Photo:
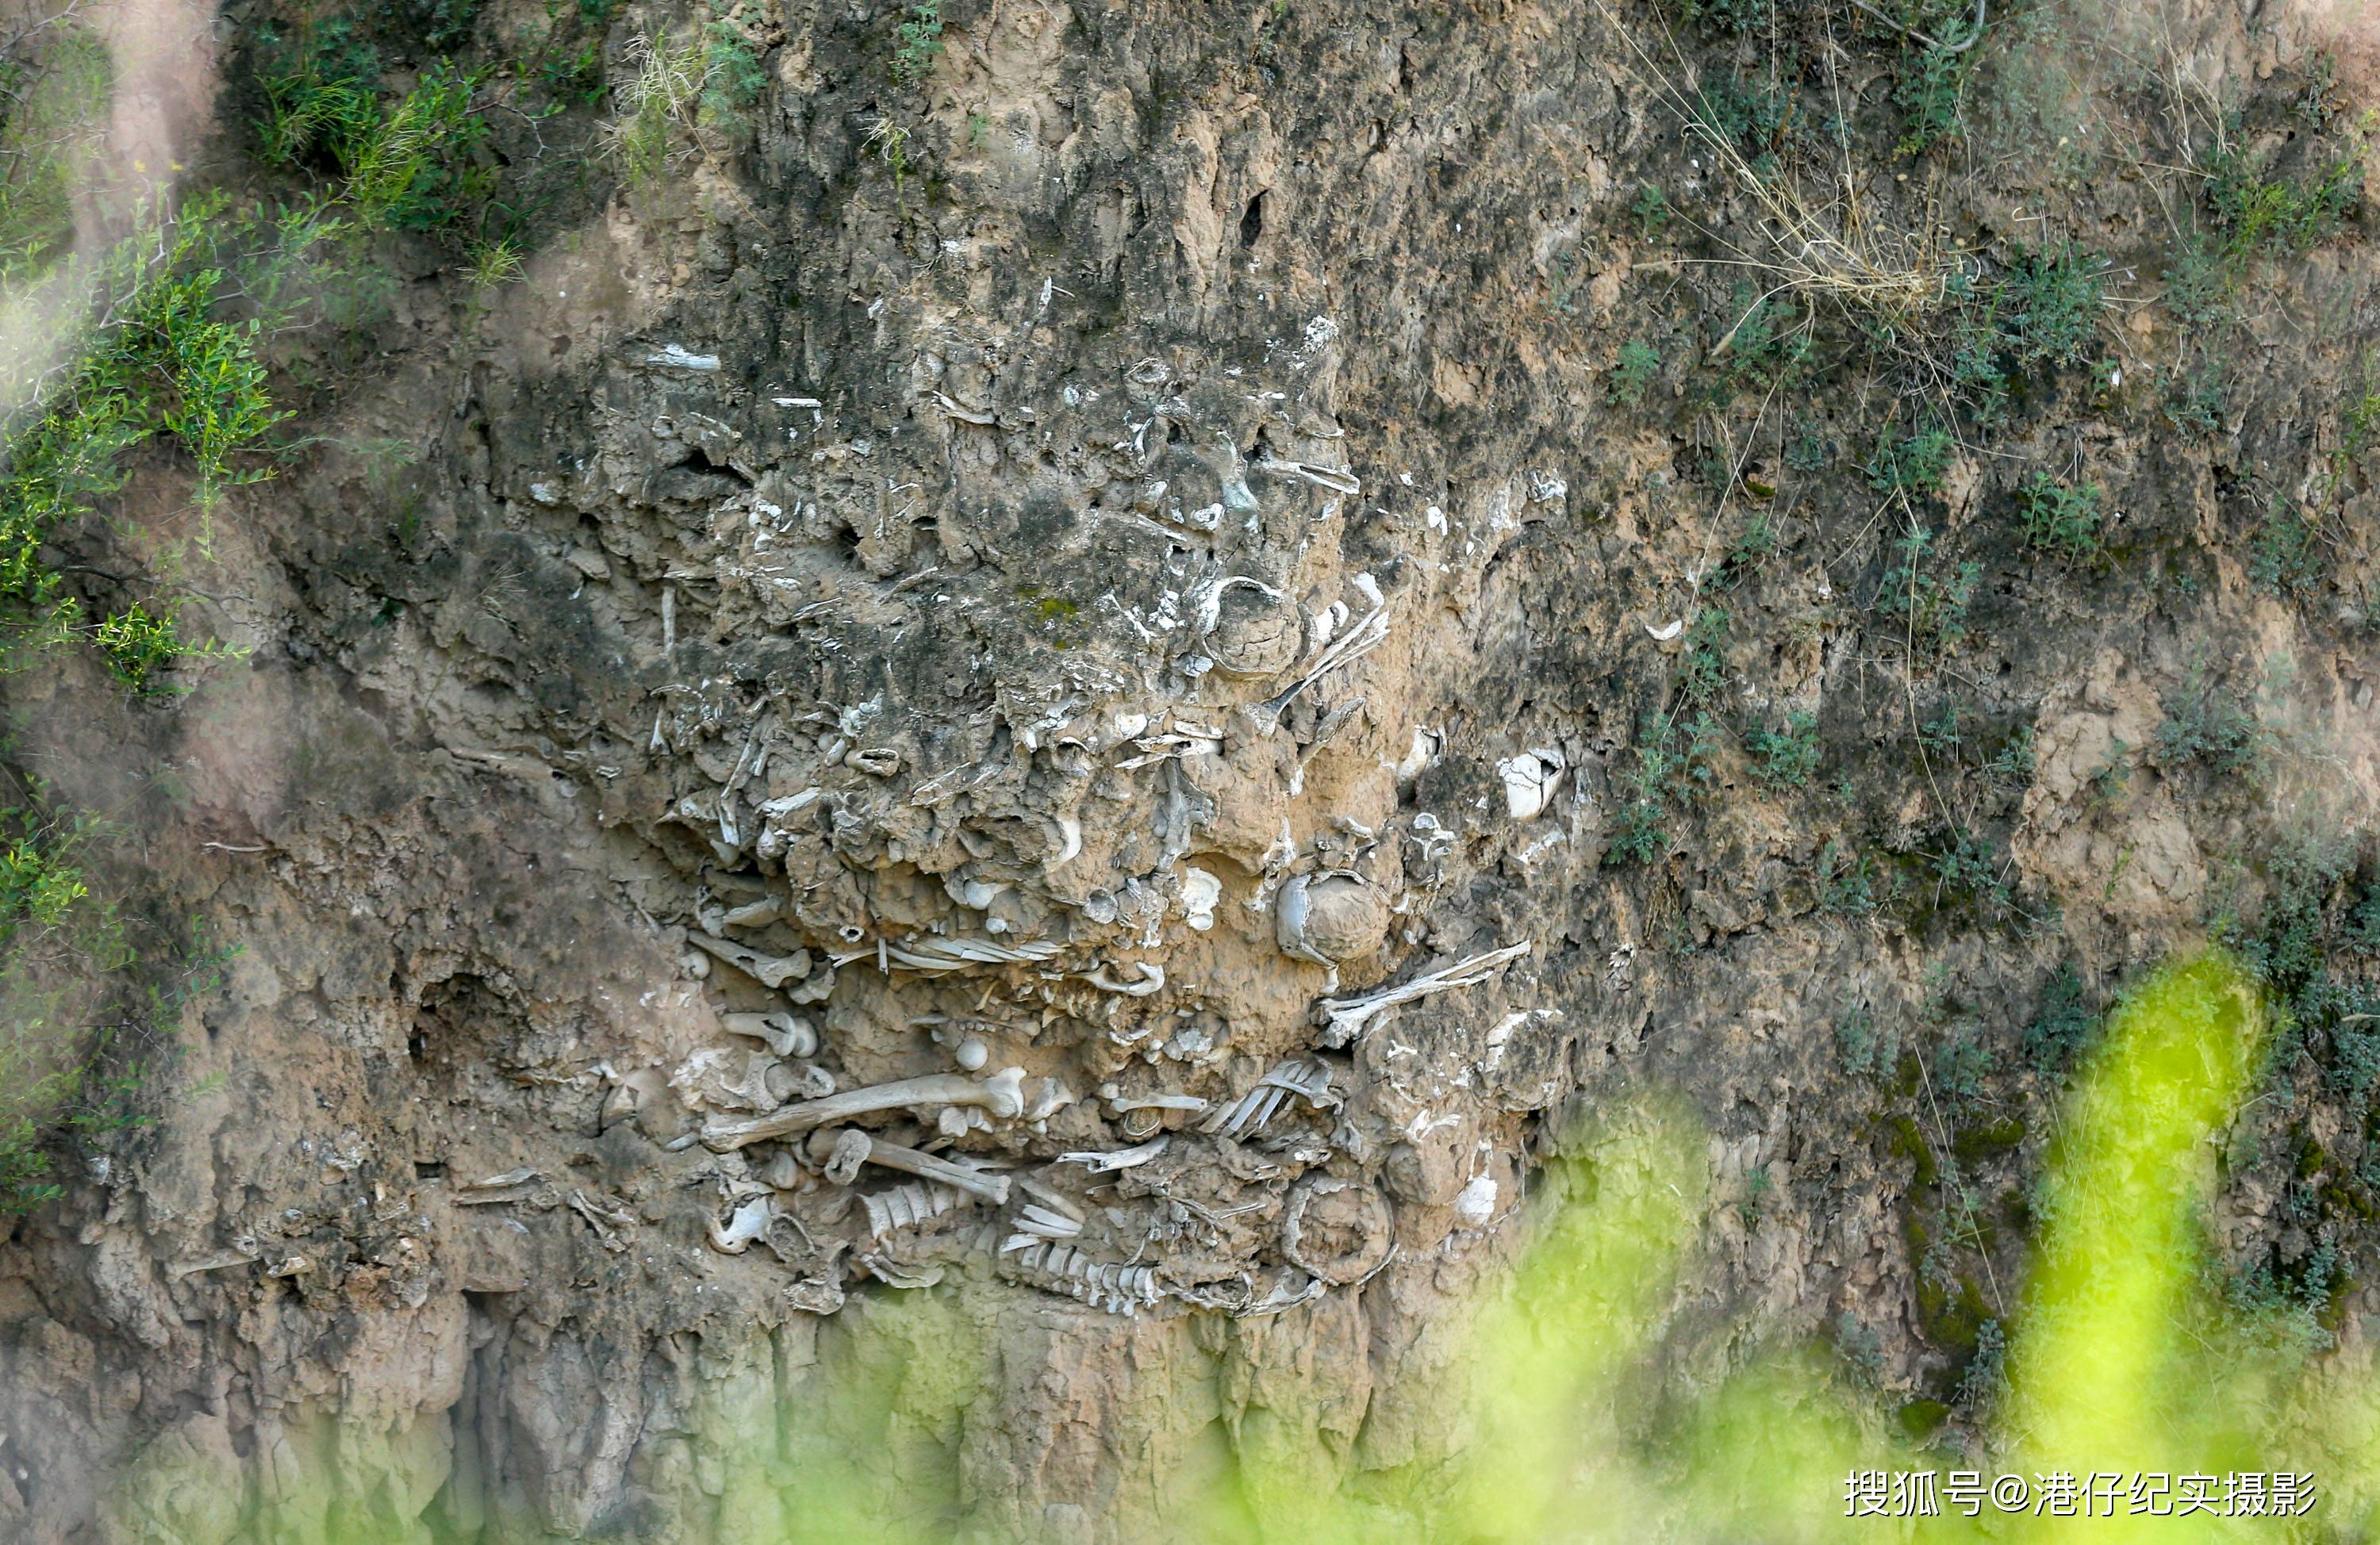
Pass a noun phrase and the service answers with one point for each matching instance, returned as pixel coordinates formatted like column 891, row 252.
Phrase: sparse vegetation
column 2205, row 725
column 2053, row 298
column 1788, row 755
column 2288, row 557
column 918, row 40
column 2264, row 214
column 2062, row 1021
column 2062, row 518
column 1638, row 363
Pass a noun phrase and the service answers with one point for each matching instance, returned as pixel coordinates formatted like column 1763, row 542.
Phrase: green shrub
column 322, row 97
column 1702, row 671
column 1641, row 832
column 1846, row 886
column 1927, row 90
column 1932, row 608
column 1675, row 765
column 2011, row 768
column 1729, row 16
column 2062, row 1021
column 1861, row 1050
column 733, row 78
column 2201, row 282
column 57, row 99
column 1651, row 211
column 918, row 41
column 2199, row 402
column 1962, row 1064
column 2053, row 298
column 53, row 942
column 1966, row 870
column 1789, row 756
column 2061, row 519
column 2205, row 725
column 1761, row 350
column 2286, row 558
column 1639, row 363
column 2260, row 213
column 1914, row 467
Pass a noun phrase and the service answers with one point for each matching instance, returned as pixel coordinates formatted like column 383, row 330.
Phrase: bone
column 1118, row 1158
column 1329, row 917
column 608, row 1219
column 745, row 1225
column 1337, row 479
column 1123, row 1102
column 1151, row 979
column 1003, row 1094
column 909, row 1206
column 1201, row 893
column 511, row 1186
column 933, row 957
column 1357, row 642
column 1297, row 1078
column 1035, row 1222
column 755, row 914
column 1529, row 780
column 769, row 970
column 785, row 1034
column 677, row 356
column 839, row 1147
column 1347, row 1018
column 1108, row 1284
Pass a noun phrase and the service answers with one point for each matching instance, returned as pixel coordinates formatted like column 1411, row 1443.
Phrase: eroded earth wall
column 1113, row 683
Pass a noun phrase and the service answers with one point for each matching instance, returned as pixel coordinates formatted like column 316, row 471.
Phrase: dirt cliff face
column 1108, row 674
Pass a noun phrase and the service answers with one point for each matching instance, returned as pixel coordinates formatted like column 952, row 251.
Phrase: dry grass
column 1825, row 242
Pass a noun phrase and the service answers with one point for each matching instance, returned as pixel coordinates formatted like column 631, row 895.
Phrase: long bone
column 1357, row 642
column 769, row 970
column 1003, row 1094
column 932, row 957
column 786, row 1035
column 846, row 1151
column 1347, row 1018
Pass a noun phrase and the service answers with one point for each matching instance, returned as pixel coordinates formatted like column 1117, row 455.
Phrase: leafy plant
column 1846, row 886
column 56, row 100
column 2287, row 557
column 1965, row 869
column 1962, row 1064
column 1933, row 609
column 1761, row 350
column 1789, row 756
column 2062, row 1021
column 2205, row 724
column 1651, row 211
column 2201, row 281
column 918, row 40
column 168, row 366
column 732, row 77
column 1915, row 466
column 1639, row 363
column 1702, row 671
column 2198, row 402
column 2261, row 214
column 2053, row 298
column 2062, row 519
